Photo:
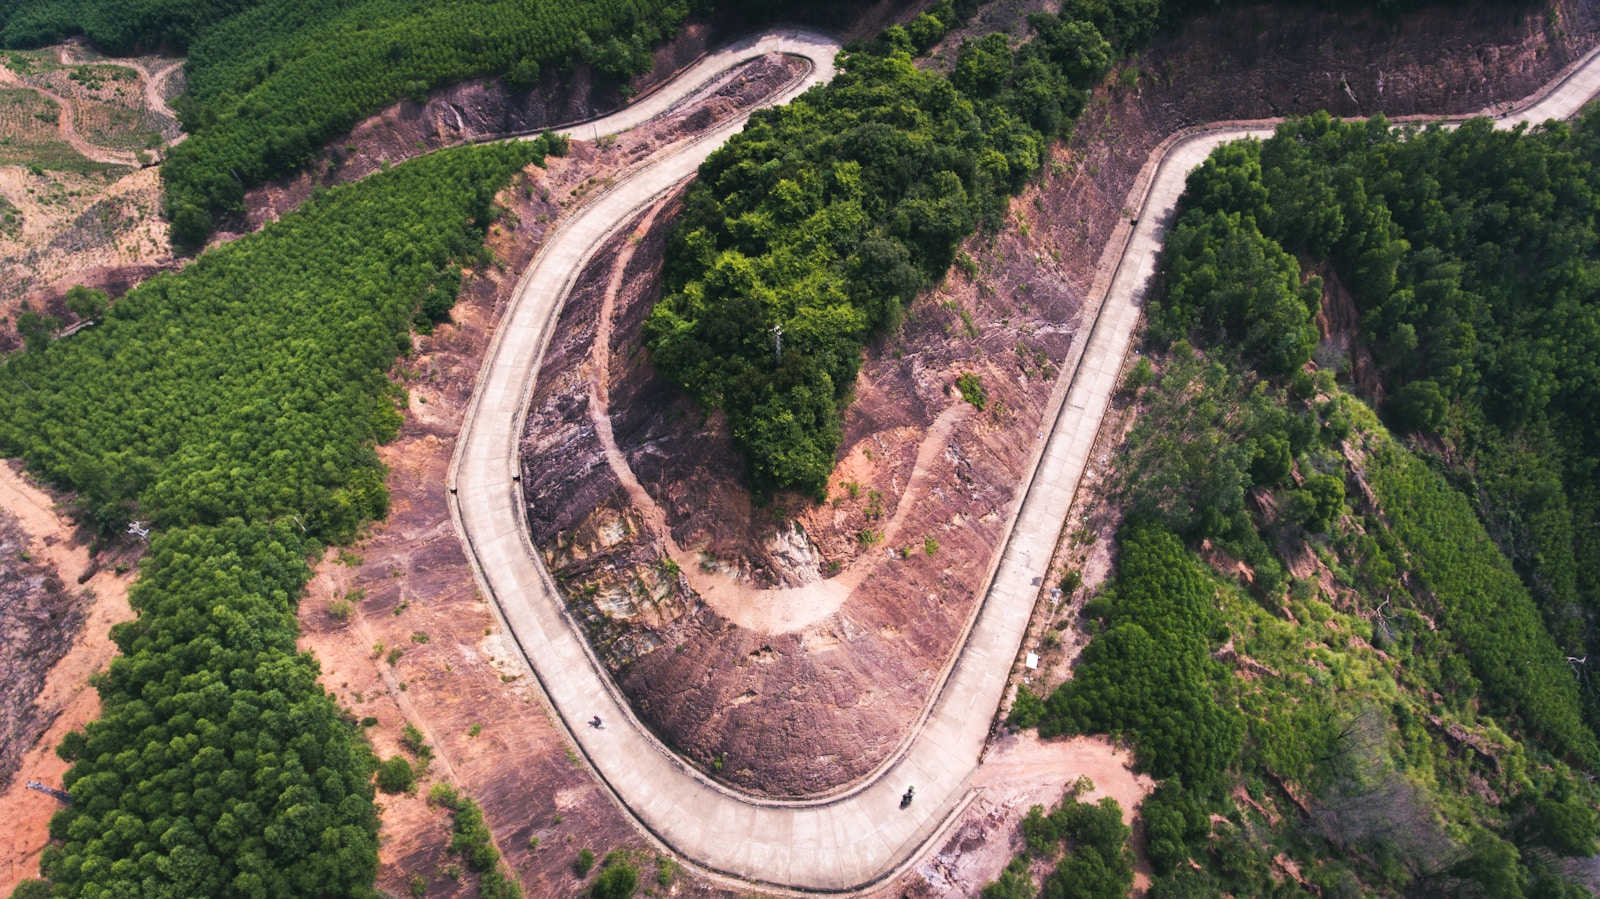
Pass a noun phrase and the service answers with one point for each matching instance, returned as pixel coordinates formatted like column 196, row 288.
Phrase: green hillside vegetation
column 235, row 406
column 218, row 766
column 1410, row 722
column 1150, row 677
column 827, row 216
column 1088, row 842
column 270, row 83
column 470, row 838
column 1348, row 705
column 1470, row 256
column 118, row 27
column 253, row 384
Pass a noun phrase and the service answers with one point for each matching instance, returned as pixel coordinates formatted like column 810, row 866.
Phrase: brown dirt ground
column 1018, row 772
column 47, row 669
column 451, row 681
column 102, row 229
column 813, row 708
column 411, row 589
column 39, row 616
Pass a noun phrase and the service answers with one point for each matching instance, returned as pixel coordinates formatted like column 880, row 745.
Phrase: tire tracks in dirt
column 66, row 125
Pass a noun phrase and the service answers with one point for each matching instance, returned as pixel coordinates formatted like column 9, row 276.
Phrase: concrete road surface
column 862, row 836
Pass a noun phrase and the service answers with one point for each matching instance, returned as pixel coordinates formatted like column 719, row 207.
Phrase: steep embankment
column 56, row 606
column 767, row 700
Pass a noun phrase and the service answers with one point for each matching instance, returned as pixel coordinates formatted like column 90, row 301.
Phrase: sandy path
column 600, row 395
column 156, row 97
column 66, row 125
column 66, row 690
column 774, row 610
column 1021, row 771
column 152, row 81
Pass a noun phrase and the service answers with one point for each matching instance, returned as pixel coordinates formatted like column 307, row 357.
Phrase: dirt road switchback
column 860, row 838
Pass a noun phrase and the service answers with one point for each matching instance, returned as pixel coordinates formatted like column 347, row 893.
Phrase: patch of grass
column 10, row 219
column 412, row 739
column 395, row 775
column 972, row 390
column 618, row 878
column 666, row 870
column 445, row 796
column 1071, row 580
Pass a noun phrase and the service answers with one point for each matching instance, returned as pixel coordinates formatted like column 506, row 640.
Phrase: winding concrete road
column 861, row 837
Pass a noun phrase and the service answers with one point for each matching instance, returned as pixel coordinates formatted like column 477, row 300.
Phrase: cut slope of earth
column 57, row 606
column 408, row 580
column 796, row 698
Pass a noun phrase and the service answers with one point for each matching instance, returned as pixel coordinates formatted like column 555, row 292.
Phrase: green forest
column 825, row 217
column 822, row 220
column 1412, row 713
column 1360, row 642
column 1375, row 739
column 235, row 407
column 270, row 83
column 1469, row 256
column 1087, row 841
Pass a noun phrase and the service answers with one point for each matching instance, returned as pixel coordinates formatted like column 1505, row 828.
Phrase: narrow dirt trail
column 151, row 80
column 600, row 396
column 156, row 97
column 860, row 838
column 66, row 125
column 66, row 692
column 765, row 610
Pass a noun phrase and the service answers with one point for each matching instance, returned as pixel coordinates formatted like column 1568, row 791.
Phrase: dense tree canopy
column 1471, row 258
column 1389, row 659
column 253, row 383
column 825, row 217
column 1150, row 677
column 235, row 405
column 218, row 766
